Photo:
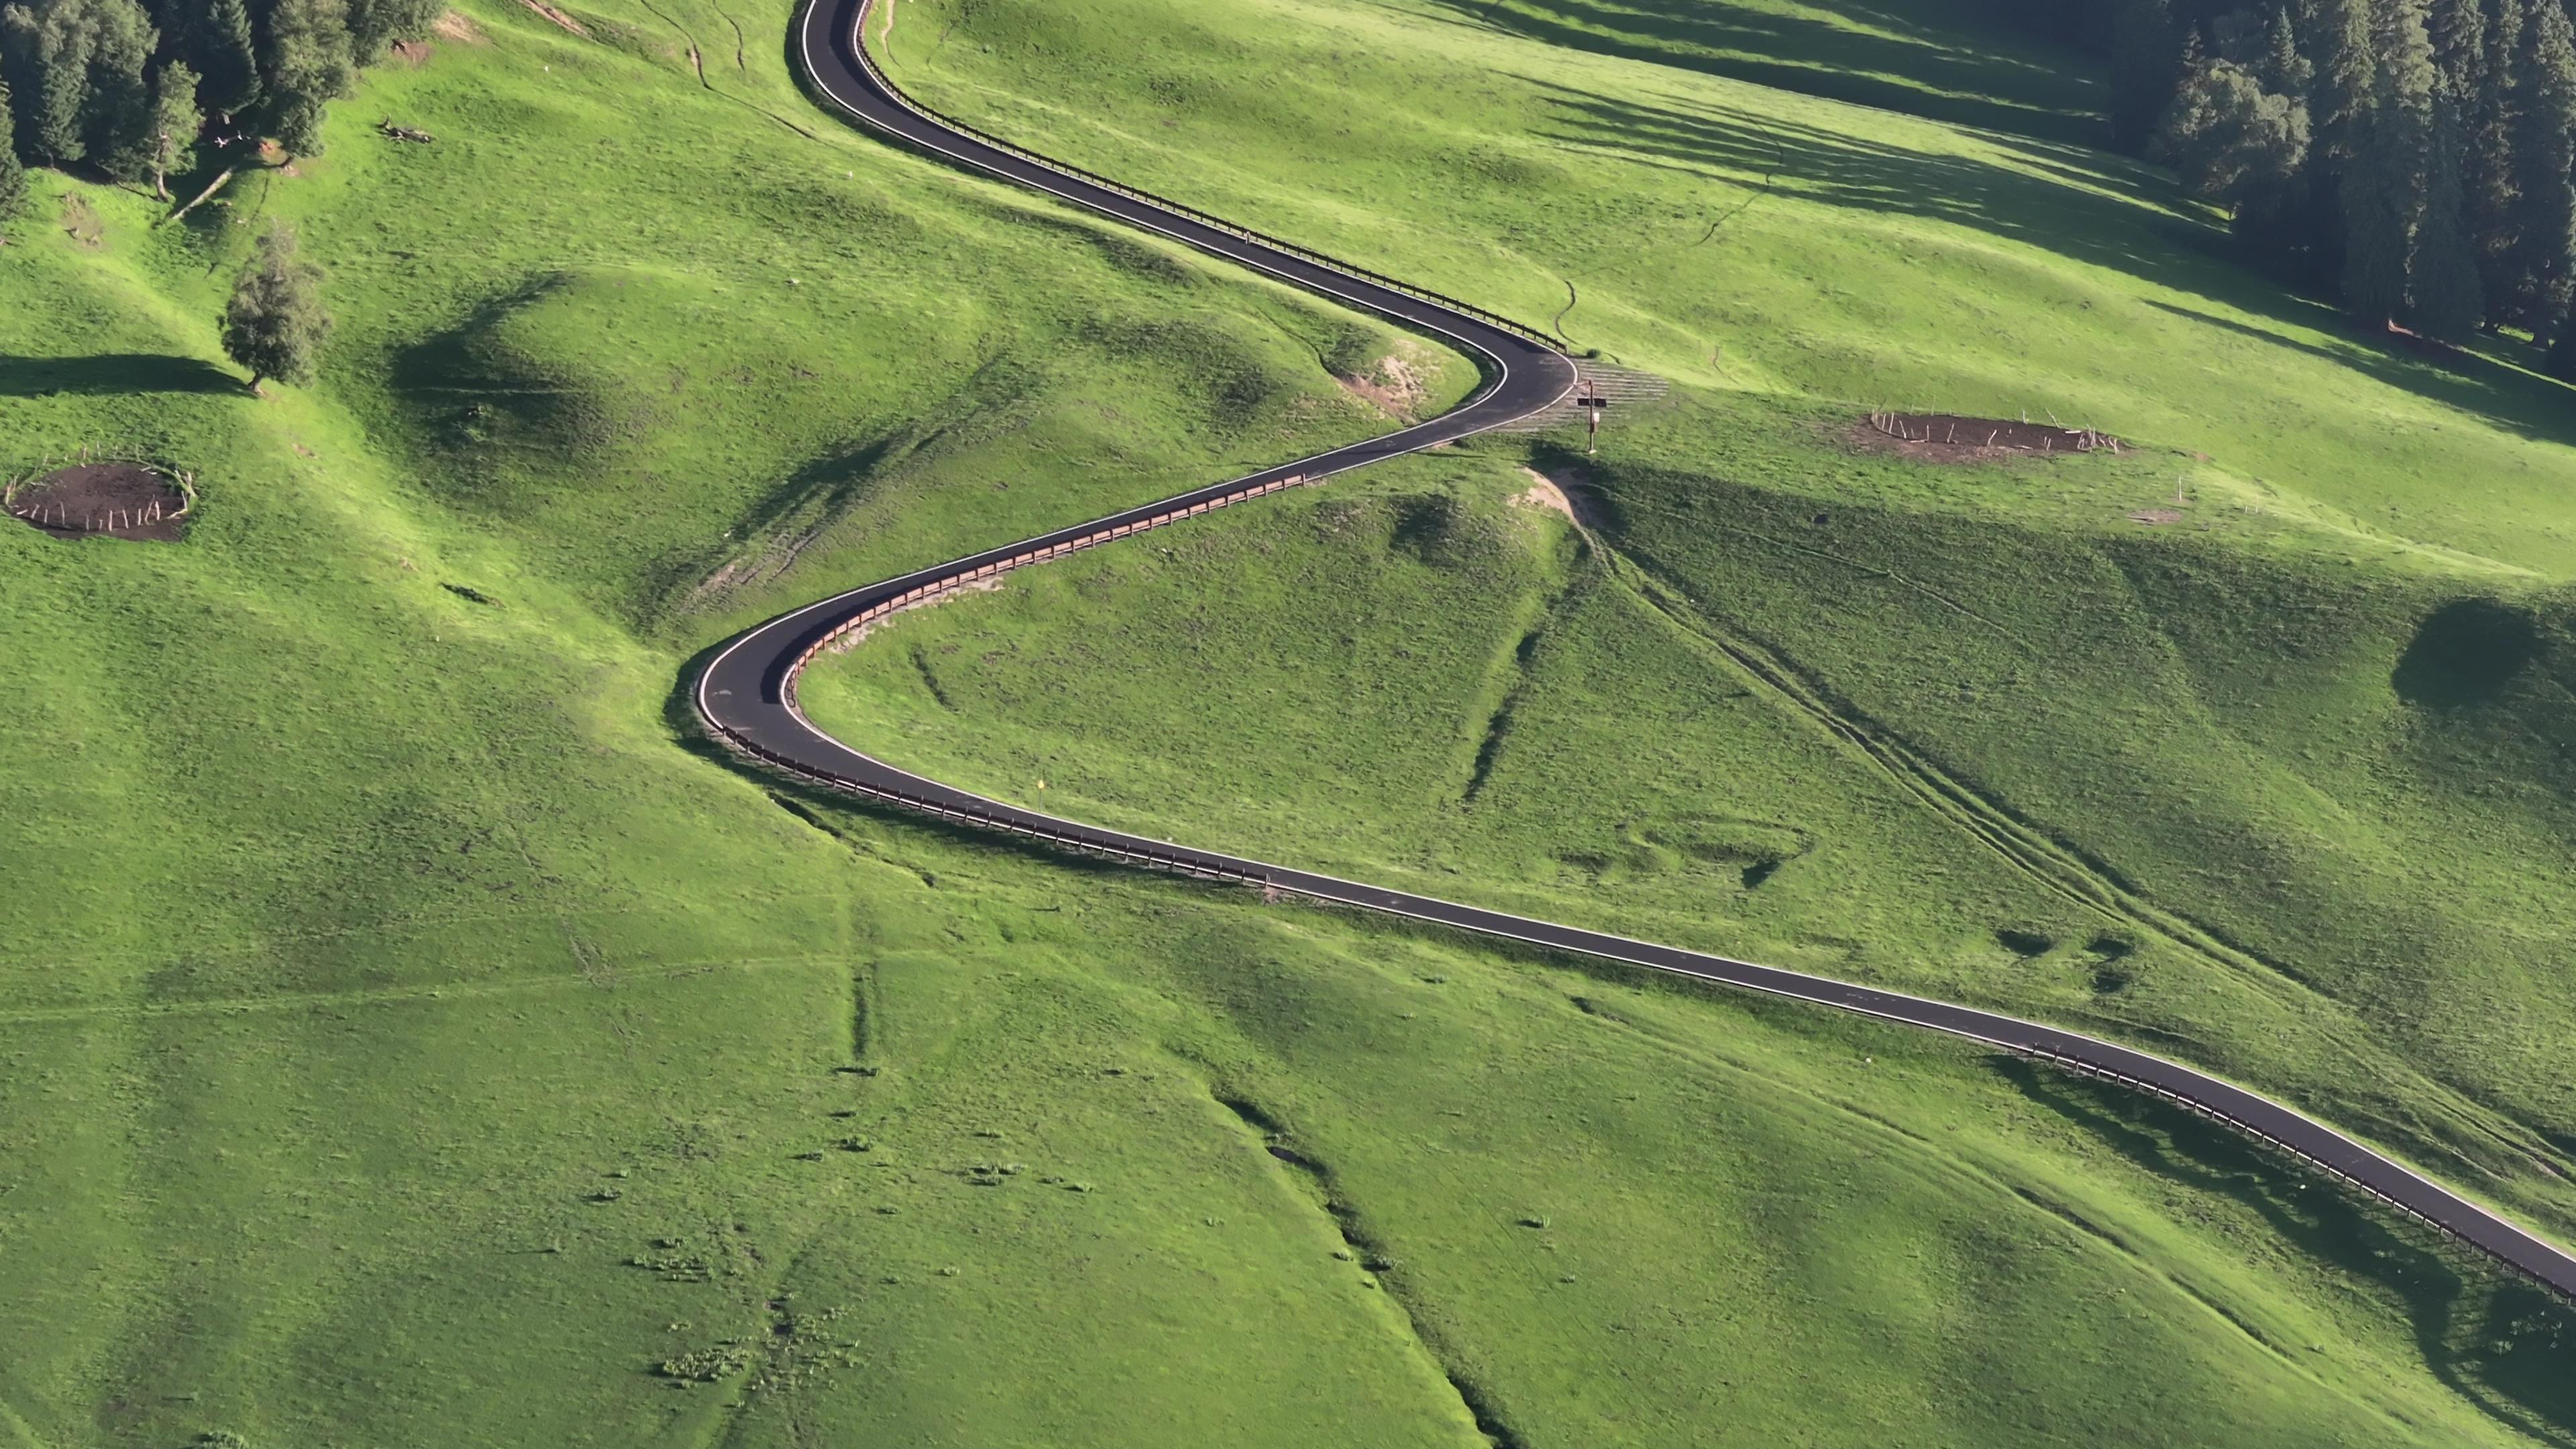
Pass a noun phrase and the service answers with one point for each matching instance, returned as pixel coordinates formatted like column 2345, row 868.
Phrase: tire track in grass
column 2065, row 870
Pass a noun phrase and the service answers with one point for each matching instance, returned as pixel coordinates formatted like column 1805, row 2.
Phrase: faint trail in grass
column 1556, row 324
column 738, row 41
column 2065, row 869
column 1323, row 1194
column 1779, row 163
column 389, row 995
column 2073, row 874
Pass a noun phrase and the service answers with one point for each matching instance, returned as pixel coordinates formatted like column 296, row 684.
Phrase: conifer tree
column 2444, row 276
column 2387, row 166
column 77, row 68
column 2459, row 33
column 2283, row 70
column 13, row 173
column 2343, row 74
column 50, row 45
column 305, row 63
column 116, row 115
column 275, row 324
column 2544, row 167
column 226, row 60
column 176, row 122
column 2493, row 205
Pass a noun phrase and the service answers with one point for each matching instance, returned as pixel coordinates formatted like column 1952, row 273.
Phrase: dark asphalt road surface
column 747, row 694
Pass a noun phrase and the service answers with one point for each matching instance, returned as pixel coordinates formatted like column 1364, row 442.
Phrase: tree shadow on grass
column 2088, row 221
column 2499, row 1342
column 2474, row 383
column 1890, row 61
column 112, row 373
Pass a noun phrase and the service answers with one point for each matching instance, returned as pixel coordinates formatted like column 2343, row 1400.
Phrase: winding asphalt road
column 747, row 694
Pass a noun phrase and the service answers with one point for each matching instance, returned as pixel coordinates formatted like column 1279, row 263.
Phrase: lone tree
column 275, row 323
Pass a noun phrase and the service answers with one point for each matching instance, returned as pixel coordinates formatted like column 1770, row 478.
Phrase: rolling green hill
column 413, row 1035
column 2272, row 706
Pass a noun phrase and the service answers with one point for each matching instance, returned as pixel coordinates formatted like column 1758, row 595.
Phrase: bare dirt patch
column 460, row 29
column 2155, row 516
column 1394, row 387
column 1951, row 438
column 1560, row 493
column 410, row 54
column 557, row 16
column 125, row 500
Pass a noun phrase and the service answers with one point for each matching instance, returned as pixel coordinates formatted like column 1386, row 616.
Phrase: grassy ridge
column 409, row 1038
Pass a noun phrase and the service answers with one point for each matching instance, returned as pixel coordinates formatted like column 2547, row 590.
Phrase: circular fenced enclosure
column 125, row 498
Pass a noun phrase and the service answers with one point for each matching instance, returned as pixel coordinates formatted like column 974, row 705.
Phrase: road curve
column 747, row 693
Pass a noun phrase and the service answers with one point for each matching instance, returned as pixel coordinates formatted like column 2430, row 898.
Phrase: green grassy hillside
column 2272, row 707
column 413, row 1036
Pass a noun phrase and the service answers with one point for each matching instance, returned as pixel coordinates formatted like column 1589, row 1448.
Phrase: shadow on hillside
column 2470, row 381
column 1895, row 63
column 110, row 373
column 2465, row 653
column 2497, row 1341
column 2058, row 207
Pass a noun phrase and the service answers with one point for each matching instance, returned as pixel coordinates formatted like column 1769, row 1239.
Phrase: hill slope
column 413, row 1037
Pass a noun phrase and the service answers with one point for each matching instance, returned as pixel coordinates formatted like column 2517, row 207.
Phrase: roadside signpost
column 1587, row 396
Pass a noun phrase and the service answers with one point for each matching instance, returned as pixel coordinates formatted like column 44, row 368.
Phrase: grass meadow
column 413, row 1034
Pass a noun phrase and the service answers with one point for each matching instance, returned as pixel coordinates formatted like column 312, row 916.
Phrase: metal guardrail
column 885, row 83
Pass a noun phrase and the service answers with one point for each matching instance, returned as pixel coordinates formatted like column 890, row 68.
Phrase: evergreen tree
column 2145, row 54
column 2283, row 70
column 228, row 63
column 2343, row 73
column 176, row 123
column 305, row 62
column 2387, row 166
column 2493, row 205
column 72, row 63
column 298, row 124
column 2444, row 279
column 2459, row 33
column 2544, row 158
column 13, row 174
column 375, row 24
column 275, row 324
column 2544, row 168
column 77, row 68
column 116, row 116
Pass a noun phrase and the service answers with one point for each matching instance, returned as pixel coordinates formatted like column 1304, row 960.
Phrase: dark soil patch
column 2024, row 943
column 105, row 500
column 1950, row 438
